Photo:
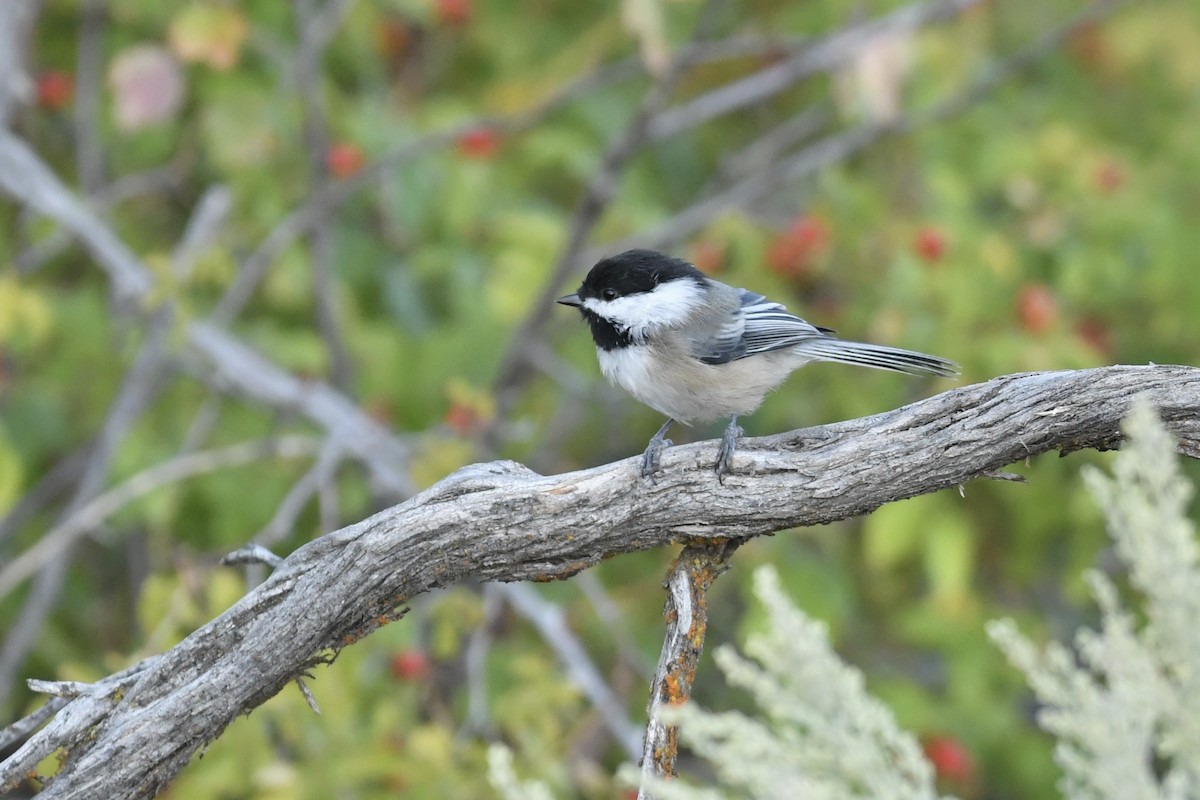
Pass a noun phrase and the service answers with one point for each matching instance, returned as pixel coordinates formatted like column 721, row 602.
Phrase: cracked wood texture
column 501, row 522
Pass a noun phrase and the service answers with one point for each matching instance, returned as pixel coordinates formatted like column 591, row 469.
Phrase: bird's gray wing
column 757, row 326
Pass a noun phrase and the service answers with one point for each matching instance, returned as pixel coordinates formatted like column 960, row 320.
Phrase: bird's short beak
column 571, row 300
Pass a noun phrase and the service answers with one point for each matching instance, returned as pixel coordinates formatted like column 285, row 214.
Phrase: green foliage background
column 1066, row 200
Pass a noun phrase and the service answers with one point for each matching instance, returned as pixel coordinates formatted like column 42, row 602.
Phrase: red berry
column 1094, row 334
column 55, row 89
column 950, row 759
column 929, row 244
column 480, row 143
column 453, row 12
column 344, row 159
column 784, row 258
column 1037, row 308
column 461, row 419
column 411, row 665
column 793, row 252
column 811, row 233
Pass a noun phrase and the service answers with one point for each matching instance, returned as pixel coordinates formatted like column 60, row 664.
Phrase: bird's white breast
column 631, row 368
column 677, row 385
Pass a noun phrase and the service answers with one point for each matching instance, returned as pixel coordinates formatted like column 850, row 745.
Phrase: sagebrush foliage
column 1125, row 706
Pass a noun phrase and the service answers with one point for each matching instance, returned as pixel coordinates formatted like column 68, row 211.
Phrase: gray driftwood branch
column 126, row 737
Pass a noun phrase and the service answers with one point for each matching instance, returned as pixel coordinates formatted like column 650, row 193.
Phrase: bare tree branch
column 502, row 522
column 236, row 366
column 549, row 620
column 840, row 145
column 55, row 482
column 829, row 53
column 686, row 614
column 127, row 187
column 336, row 193
column 240, row 369
column 89, row 75
column 23, row 175
column 317, row 28
column 477, row 721
column 17, row 18
column 90, row 515
column 138, row 390
column 596, row 197
column 608, row 612
column 302, row 491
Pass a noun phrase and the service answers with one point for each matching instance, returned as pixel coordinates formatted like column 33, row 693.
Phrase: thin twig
column 824, row 55
column 22, row 728
column 686, row 613
column 252, row 554
column 841, row 145
column 23, row 175
column 89, row 72
column 302, row 491
column 234, row 366
column 93, row 513
column 336, row 193
column 596, row 197
column 135, row 394
column 138, row 390
column 766, row 151
column 478, row 720
column 17, row 18
column 610, row 614
column 203, row 228
column 85, row 711
column 55, row 482
column 549, row 619
column 203, row 424
column 128, row 187
column 316, row 29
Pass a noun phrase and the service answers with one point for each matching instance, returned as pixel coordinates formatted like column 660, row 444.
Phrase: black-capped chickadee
column 697, row 350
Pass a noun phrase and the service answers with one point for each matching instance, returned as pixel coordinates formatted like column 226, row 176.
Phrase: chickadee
column 697, row 350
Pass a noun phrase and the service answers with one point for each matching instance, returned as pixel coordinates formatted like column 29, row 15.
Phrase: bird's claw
column 653, row 456
column 726, row 450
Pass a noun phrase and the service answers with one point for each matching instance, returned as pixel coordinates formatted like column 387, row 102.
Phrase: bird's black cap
column 633, row 272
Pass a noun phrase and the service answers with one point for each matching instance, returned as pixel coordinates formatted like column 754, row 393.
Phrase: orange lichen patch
column 565, row 571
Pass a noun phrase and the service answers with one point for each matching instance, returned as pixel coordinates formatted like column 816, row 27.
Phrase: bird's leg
column 728, row 445
column 658, row 443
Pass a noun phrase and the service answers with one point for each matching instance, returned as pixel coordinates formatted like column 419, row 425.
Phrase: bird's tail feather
column 876, row 356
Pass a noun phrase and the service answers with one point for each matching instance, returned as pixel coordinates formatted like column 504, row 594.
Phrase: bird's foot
column 653, row 454
column 727, row 448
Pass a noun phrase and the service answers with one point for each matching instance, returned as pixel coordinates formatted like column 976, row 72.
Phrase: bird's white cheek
column 668, row 305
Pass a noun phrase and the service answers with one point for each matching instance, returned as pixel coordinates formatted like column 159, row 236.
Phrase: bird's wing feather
column 757, row 326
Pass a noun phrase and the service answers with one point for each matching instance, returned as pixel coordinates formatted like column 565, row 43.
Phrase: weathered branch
column 502, row 522
column 686, row 614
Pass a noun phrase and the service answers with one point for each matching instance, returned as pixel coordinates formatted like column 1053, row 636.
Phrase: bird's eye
column 609, row 294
